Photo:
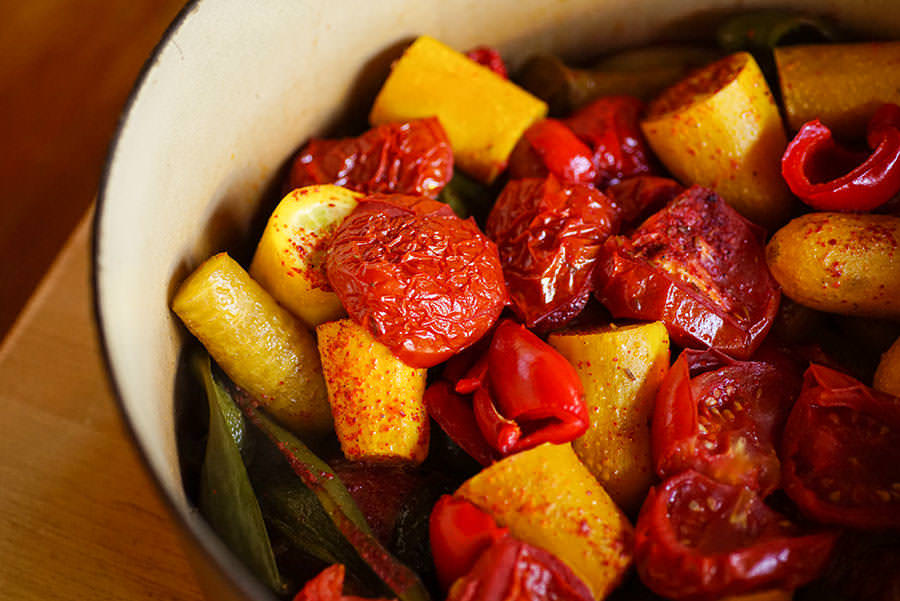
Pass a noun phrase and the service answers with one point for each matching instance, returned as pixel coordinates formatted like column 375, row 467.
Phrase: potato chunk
column 290, row 257
column 376, row 399
column 840, row 263
column 620, row 369
column 262, row 347
column 720, row 128
column 483, row 114
column 549, row 499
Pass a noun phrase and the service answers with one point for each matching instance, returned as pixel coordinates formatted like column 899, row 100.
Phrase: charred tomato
column 549, row 235
column 699, row 267
column 639, row 197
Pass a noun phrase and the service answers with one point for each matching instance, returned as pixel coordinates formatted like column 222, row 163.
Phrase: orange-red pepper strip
column 818, row 170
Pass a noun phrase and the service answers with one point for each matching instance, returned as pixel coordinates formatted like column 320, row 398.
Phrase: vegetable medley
column 624, row 330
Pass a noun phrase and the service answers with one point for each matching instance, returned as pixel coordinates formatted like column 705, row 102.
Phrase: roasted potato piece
column 483, row 114
column 549, row 499
column 720, row 128
column 620, row 369
column 887, row 376
column 376, row 399
column 262, row 347
column 841, row 85
column 290, row 257
column 840, row 263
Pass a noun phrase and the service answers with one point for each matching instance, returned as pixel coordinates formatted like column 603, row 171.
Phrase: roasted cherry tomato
column 424, row 282
column 328, row 585
column 639, row 197
column 459, row 533
column 413, row 157
column 841, row 451
column 610, row 126
column 828, row 177
column 490, row 58
column 698, row 266
column 549, row 147
column 723, row 423
column 700, row 540
column 511, row 570
column 549, row 235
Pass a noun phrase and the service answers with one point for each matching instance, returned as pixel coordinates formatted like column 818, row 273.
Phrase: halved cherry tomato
column 698, row 266
column 459, row 533
column 723, row 423
column 639, row 197
column 424, row 282
column 700, row 540
column 511, row 570
column 549, row 147
column 328, row 585
column 490, row 58
column 413, row 157
column 549, row 235
column 841, row 451
column 610, row 126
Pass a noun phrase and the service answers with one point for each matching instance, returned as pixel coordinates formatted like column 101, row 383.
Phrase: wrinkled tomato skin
column 841, row 452
column 724, row 422
column 700, row 540
column 610, row 126
column 639, row 197
column 549, row 235
column 697, row 266
column 413, row 157
column 548, row 147
column 511, row 570
column 490, row 58
column 424, row 282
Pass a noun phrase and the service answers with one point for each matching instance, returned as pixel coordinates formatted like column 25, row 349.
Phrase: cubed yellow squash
column 721, row 128
column 262, row 347
column 620, row 369
column 376, row 399
column 887, row 376
column 483, row 114
column 841, row 85
column 290, row 257
column 549, row 499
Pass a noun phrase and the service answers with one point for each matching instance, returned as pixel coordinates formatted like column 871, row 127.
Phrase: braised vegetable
column 841, row 85
column 263, row 348
column 467, row 198
column 839, row 263
column 290, row 258
column 831, row 178
column 620, row 369
column 547, row 498
column 393, row 255
column 767, row 29
column 841, row 452
column 483, row 114
column 720, row 128
column 376, row 399
column 549, row 147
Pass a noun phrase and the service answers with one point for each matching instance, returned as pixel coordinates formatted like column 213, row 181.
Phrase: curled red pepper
column 549, row 146
column 524, row 393
column 459, row 533
column 328, row 586
column 822, row 173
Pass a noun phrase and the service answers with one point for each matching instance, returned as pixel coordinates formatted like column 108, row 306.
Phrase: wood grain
column 66, row 67
column 79, row 518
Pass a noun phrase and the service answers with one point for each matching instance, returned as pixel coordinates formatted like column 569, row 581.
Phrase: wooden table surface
column 79, row 517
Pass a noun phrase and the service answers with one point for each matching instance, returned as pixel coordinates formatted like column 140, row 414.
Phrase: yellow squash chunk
column 840, row 263
column 620, row 369
column 290, row 258
column 376, row 399
column 839, row 84
column 549, row 499
column 720, row 128
column 887, row 376
column 483, row 114
column 262, row 347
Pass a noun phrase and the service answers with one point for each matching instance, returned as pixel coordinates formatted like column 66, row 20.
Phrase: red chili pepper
column 453, row 413
column 490, row 58
column 823, row 175
column 459, row 533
